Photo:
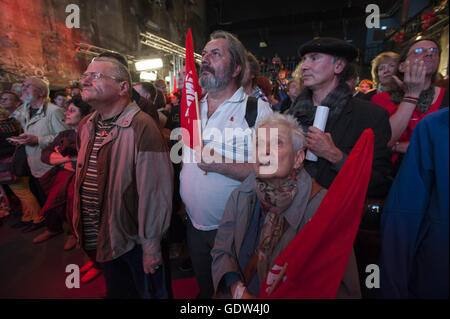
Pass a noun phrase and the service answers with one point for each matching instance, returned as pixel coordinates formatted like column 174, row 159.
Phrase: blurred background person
column 365, row 86
column 60, row 99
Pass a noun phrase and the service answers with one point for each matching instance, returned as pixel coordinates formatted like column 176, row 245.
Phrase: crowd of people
column 98, row 160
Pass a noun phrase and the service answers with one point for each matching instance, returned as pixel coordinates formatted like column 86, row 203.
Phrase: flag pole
column 199, row 121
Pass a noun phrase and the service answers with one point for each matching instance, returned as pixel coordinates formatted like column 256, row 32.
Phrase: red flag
column 189, row 117
column 316, row 258
column 175, row 83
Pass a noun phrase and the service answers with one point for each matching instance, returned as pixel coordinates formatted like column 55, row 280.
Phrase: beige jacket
column 45, row 124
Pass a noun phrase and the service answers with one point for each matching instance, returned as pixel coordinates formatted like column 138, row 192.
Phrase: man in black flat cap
column 327, row 65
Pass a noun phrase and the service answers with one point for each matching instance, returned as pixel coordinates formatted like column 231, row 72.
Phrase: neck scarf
column 425, row 99
column 304, row 110
column 274, row 201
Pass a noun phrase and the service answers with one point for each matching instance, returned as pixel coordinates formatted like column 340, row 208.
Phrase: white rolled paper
column 320, row 121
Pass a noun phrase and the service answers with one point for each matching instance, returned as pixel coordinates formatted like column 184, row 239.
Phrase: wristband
column 411, row 98
column 239, row 291
column 410, row 101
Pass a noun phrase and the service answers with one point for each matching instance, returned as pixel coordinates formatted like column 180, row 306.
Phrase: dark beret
column 331, row 46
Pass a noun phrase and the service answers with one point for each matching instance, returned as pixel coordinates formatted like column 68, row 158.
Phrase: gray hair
column 236, row 49
column 41, row 84
column 120, row 71
column 286, row 120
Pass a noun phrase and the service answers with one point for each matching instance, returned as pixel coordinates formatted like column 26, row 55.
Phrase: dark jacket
column 8, row 127
column 357, row 116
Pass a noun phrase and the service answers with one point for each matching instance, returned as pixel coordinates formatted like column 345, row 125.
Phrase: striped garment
column 10, row 126
column 90, row 209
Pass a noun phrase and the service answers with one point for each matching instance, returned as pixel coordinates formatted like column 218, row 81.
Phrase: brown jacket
column 135, row 183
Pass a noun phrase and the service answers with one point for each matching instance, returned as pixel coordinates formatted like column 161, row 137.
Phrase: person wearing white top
column 204, row 186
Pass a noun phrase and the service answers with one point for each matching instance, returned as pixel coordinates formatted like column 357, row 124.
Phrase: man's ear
column 339, row 65
column 237, row 70
column 124, row 88
column 401, row 67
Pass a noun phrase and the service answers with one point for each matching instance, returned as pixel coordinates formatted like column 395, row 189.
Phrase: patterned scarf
column 304, row 110
column 425, row 99
column 274, row 201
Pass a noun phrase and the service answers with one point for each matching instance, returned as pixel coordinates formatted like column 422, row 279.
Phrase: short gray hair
column 120, row 71
column 286, row 120
column 236, row 49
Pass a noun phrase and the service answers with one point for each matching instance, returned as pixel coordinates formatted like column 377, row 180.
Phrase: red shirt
column 383, row 99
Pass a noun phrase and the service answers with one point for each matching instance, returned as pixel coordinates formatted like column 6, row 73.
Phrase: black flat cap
column 331, row 46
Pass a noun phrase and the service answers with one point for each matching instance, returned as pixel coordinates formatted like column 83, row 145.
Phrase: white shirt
column 205, row 196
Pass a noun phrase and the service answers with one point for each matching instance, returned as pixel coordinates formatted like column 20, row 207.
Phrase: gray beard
column 213, row 84
column 28, row 100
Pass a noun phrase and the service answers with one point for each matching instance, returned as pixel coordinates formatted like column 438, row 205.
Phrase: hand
column 68, row 167
column 212, row 159
column 56, row 158
column 245, row 294
column 401, row 147
column 12, row 140
column 322, row 145
column 27, row 139
column 414, row 78
column 151, row 262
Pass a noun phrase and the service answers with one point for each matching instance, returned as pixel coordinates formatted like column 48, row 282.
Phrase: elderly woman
column 265, row 213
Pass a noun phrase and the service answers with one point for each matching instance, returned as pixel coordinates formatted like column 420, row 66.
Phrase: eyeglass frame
column 433, row 50
column 98, row 75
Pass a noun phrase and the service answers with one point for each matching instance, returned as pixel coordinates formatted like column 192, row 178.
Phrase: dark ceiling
column 285, row 25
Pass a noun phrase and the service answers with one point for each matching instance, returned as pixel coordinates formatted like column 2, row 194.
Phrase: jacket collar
column 41, row 109
column 294, row 214
column 124, row 119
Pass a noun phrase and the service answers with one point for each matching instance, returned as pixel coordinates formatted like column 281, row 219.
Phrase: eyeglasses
column 5, row 99
column 418, row 51
column 96, row 76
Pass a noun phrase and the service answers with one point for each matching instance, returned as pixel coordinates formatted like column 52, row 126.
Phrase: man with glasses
column 414, row 96
column 123, row 186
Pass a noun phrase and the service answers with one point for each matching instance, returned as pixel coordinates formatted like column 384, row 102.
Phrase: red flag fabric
column 316, row 258
column 175, row 83
column 189, row 117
